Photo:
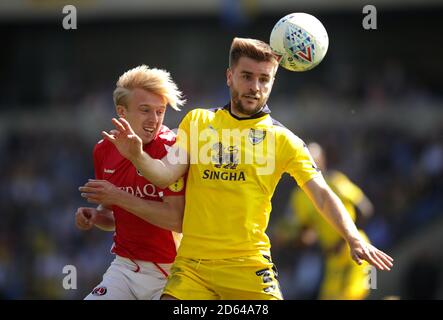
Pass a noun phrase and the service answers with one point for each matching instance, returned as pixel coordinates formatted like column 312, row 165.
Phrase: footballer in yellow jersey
column 235, row 156
column 343, row 279
column 239, row 191
column 228, row 206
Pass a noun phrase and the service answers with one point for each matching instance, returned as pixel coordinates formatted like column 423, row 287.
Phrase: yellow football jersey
column 235, row 165
column 307, row 215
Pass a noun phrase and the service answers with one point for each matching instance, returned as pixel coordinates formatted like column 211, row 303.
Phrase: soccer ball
column 301, row 40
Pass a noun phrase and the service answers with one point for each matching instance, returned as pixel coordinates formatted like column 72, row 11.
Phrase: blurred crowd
column 40, row 175
column 381, row 125
column 400, row 173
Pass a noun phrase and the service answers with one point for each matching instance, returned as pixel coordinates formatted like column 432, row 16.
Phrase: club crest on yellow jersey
column 256, row 136
column 177, row 186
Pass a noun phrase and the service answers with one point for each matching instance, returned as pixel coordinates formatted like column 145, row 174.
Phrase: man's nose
column 153, row 117
column 255, row 86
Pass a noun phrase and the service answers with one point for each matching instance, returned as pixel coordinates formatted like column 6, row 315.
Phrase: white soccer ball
column 301, row 40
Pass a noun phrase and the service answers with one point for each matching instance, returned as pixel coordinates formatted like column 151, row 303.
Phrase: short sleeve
column 177, row 188
column 97, row 157
column 298, row 162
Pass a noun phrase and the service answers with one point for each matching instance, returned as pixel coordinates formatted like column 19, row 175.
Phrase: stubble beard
column 238, row 106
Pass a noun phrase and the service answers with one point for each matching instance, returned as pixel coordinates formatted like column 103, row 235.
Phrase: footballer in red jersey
column 146, row 219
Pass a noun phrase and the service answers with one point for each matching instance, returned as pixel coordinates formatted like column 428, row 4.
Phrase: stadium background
column 375, row 103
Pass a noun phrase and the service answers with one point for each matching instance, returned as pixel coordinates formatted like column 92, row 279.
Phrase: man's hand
column 361, row 250
column 100, row 192
column 85, row 218
column 124, row 139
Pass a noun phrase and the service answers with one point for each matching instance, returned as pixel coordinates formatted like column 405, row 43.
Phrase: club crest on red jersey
column 178, row 185
column 99, row 291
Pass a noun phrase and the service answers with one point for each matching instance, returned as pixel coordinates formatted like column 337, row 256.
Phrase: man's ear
column 121, row 110
column 229, row 77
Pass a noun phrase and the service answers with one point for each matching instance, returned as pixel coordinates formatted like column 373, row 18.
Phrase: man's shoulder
column 277, row 124
column 104, row 151
column 282, row 130
column 103, row 146
column 166, row 136
column 285, row 137
column 162, row 143
column 202, row 113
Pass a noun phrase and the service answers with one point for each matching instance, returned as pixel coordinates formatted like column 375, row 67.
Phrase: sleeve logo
column 177, row 186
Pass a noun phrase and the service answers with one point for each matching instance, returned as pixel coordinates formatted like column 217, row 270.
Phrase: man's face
column 250, row 83
column 145, row 113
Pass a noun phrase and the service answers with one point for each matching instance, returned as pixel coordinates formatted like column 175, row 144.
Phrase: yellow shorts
column 244, row 278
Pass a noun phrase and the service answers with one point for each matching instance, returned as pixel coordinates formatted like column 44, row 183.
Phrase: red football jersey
column 135, row 238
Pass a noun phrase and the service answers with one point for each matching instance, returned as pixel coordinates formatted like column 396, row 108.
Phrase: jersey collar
column 264, row 111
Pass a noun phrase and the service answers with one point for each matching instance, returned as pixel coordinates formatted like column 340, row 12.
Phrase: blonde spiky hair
column 154, row 80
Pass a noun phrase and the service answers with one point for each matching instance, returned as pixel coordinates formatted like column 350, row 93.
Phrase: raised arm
column 332, row 209
column 167, row 214
column 162, row 173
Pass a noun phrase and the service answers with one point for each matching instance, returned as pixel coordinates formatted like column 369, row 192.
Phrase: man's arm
column 105, row 219
column 167, row 214
column 332, row 209
column 162, row 173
